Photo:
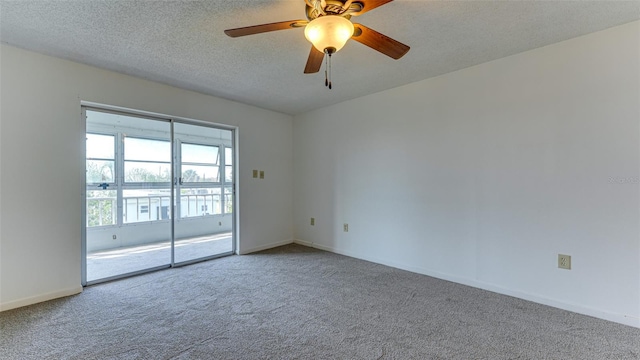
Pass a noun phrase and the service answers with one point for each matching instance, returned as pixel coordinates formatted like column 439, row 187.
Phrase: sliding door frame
column 171, row 120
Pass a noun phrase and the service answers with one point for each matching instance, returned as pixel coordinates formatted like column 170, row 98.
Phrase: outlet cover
column 313, row 221
column 255, row 174
column 261, row 174
column 564, row 261
column 346, row 227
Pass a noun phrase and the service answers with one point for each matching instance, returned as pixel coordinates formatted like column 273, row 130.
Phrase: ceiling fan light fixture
column 329, row 32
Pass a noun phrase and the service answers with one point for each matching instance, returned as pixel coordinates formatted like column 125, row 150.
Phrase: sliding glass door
column 159, row 193
column 204, row 210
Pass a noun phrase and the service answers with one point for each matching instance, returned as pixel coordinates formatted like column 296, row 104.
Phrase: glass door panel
column 140, row 171
column 203, row 227
column 128, row 194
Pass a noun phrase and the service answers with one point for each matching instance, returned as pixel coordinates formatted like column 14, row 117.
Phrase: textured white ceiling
column 182, row 42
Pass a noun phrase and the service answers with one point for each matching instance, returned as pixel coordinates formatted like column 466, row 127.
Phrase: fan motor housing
column 333, row 7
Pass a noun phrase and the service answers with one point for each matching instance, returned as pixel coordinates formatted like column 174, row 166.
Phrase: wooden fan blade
column 314, row 62
column 257, row 29
column 368, row 5
column 379, row 42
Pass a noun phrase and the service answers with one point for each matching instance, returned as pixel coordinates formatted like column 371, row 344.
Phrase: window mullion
column 177, row 166
column 120, row 177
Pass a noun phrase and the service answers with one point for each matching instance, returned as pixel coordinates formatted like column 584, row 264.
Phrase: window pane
column 101, row 207
column 202, row 154
column 228, row 173
column 228, row 200
column 199, row 202
column 228, row 156
column 228, row 161
column 100, row 146
column 146, row 149
column 99, row 171
column 137, row 171
column 146, row 205
column 195, row 173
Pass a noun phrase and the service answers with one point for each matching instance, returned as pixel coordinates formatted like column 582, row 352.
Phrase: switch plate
column 261, row 174
column 255, row 174
column 564, row 261
column 345, row 227
column 313, row 221
column 114, row 237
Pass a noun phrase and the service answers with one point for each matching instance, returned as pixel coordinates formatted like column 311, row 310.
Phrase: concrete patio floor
column 107, row 263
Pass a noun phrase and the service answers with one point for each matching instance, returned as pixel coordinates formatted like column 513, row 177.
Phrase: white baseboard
column 577, row 308
column 265, row 247
column 306, row 243
column 39, row 298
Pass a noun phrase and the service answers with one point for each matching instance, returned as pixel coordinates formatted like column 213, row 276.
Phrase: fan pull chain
column 326, row 65
column 327, row 70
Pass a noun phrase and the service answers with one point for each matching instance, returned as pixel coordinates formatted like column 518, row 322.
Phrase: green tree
column 100, row 171
column 101, row 207
column 144, row 175
column 190, row 176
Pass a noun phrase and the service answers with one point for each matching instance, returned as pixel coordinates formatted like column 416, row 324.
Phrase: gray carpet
column 294, row 302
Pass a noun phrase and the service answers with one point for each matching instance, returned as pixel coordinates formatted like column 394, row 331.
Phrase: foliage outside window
column 101, row 207
column 147, row 160
column 199, row 163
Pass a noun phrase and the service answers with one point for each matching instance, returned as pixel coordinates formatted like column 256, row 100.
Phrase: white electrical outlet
column 564, row 261
column 313, row 221
column 346, row 227
column 255, row 174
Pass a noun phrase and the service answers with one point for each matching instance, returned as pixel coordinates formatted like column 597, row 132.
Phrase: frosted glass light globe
column 329, row 32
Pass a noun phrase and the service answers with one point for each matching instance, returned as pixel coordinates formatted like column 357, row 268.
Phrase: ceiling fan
column 328, row 27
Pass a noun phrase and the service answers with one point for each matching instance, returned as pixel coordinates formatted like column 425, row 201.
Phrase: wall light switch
column 564, row 261
column 255, row 174
column 261, row 174
column 345, row 227
column 313, row 221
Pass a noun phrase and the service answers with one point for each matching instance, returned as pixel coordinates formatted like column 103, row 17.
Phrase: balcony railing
column 102, row 211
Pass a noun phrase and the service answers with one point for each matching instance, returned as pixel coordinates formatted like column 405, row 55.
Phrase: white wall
column 483, row 176
column 41, row 162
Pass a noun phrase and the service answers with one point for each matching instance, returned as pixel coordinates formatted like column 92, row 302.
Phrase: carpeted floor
column 294, row 302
